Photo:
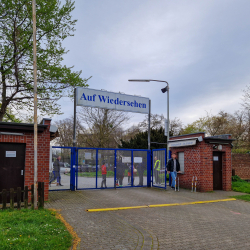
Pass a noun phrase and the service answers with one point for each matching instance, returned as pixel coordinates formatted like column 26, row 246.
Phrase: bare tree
column 217, row 124
column 246, row 98
column 156, row 122
column 175, row 127
column 65, row 129
column 104, row 127
column 239, row 128
column 210, row 124
column 130, row 133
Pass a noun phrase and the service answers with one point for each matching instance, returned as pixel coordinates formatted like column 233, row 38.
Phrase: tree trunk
column 3, row 104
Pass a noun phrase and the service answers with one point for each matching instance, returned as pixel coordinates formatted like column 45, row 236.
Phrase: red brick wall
column 198, row 161
column 241, row 165
column 43, row 152
column 226, row 167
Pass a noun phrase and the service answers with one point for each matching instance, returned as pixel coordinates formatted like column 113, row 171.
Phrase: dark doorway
column 12, row 165
column 217, row 170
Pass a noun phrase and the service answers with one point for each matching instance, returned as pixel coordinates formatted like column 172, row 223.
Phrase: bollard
column 192, row 184
column 195, row 184
column 178, row 185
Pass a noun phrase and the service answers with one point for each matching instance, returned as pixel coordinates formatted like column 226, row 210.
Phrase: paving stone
column 221, row 225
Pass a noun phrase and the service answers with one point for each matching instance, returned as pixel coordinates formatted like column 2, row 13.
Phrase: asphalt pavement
column 215, row 225
column 90, row 182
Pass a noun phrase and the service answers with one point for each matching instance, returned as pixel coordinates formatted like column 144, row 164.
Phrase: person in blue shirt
column 173, row 168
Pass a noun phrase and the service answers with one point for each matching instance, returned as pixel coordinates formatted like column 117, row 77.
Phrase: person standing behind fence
column 104, row 174
column 173, row 168
column 57, row 166
column 157, row 168
column 129, row 175
column 140, row 169
column 120, row 168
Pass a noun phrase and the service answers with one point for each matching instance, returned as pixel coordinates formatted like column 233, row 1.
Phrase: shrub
column 236, row 178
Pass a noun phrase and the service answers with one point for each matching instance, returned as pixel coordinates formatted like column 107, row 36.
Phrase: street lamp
column 164, row 90
column 35, row 100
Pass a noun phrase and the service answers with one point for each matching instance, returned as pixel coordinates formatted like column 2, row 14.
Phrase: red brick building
column 207, row 158
column 17, row 154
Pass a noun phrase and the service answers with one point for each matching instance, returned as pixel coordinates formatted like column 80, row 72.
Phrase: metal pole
column 149, row 117
column 35, row 101
column 168, row 121
column 74, row 128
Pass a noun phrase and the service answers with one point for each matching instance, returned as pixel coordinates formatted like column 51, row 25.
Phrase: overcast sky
column 201, row 48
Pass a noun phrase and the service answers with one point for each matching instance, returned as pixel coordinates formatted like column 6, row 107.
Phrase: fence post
column 26, row 196
column 39, row 194
column 19, row 191
column 192, row 184
column 74, row 165
column 132, row 168
column 42, row 195
column 4, row 198
column 32, row 196
column 12, row 198
column 149, row 169
column 115, row 170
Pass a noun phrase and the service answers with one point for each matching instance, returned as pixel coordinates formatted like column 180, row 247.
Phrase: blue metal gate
column 65, row 178
column 159, row 171
column 125, row 168
column 81, row 168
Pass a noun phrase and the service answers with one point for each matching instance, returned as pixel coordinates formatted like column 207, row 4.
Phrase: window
column 181, row 160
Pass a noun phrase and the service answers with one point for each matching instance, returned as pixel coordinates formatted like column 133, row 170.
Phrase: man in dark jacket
column 140, row 170
column 120, row 169
column 57, row 166
column 173, row 168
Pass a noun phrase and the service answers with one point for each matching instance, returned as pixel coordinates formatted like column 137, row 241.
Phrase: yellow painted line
column 190, row 203
column 114, row 209
column 158, row 205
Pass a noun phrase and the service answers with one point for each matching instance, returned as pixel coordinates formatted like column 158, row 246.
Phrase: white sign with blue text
column 182, row 143
column 110, row 100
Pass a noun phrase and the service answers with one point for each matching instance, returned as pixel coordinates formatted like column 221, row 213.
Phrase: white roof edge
column 190, row 138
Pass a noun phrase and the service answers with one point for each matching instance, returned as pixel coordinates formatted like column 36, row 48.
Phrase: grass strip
column 245, row 197
column 33, row 229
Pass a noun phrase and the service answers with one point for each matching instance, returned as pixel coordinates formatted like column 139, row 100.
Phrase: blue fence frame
column 74, row 165
column 165, row 170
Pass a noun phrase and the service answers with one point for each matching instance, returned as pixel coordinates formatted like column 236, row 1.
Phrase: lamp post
column 164, row 90
column 35, row 100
